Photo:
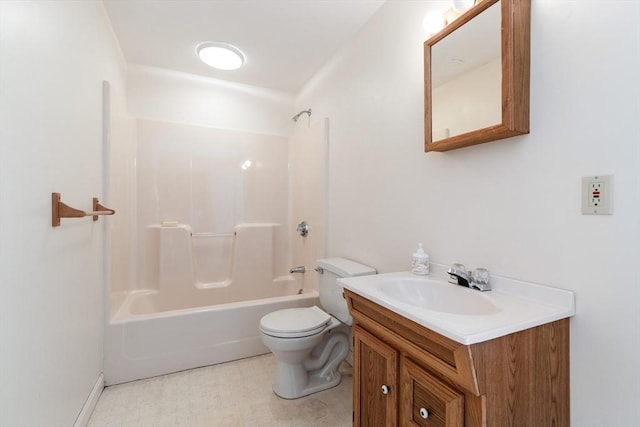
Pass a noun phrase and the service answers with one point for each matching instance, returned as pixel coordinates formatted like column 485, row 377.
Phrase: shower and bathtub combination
column 209, row 252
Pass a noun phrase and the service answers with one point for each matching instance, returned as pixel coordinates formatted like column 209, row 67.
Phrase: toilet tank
column 330, row 293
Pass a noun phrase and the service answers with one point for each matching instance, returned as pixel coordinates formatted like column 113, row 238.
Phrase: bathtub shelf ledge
column 62, row 210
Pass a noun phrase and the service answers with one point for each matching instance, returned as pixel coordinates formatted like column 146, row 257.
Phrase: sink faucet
column 476, row 279
column 300, row 269
column 459, row 275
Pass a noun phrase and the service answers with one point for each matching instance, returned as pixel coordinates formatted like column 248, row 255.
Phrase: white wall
column 172, row 96
column 53, row 59
column 512, row 206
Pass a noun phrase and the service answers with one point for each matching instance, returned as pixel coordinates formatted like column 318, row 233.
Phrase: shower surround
column 210, row 180
column 212, row 250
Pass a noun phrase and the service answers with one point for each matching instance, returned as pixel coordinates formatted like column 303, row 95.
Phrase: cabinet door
column 426, row 401
column 375, row 390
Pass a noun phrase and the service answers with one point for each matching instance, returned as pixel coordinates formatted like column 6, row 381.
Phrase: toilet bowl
column 308, row 352
column 309, row 343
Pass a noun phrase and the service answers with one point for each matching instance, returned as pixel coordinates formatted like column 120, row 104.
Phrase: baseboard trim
column 90, row 403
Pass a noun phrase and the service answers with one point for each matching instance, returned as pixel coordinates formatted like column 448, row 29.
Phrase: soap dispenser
column 420, row 261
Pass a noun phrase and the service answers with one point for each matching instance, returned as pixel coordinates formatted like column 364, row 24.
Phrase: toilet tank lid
column 345, row 267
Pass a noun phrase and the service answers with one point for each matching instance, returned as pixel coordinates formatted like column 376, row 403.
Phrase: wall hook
column 62, row 210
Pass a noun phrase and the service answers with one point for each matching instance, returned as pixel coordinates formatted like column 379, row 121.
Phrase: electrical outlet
column 594, row 189
column 597, row 195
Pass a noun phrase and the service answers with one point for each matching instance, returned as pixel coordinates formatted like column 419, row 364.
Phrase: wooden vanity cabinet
column 375, row 381
column 426, row 401
column 408, row 375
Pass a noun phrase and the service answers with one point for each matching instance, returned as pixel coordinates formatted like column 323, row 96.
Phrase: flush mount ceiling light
column 222, row 56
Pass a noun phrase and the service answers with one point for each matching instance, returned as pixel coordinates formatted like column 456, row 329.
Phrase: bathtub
column 142, row 340
column 179, row 321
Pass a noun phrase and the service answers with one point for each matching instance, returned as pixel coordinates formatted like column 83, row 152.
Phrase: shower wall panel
column 212, row 180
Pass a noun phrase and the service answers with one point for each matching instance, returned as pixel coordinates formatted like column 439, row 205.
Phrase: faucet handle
column 480, row 279
column 476, row 279
column 458, row 270
column 459, row 275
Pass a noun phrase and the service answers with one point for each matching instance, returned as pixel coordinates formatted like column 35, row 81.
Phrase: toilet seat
column 295, row 322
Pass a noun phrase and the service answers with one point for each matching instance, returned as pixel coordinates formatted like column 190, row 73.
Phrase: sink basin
column 464, row 315
column 438, row 296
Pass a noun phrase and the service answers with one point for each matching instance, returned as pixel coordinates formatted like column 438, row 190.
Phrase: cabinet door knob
column 385, row 389
column 424, row 413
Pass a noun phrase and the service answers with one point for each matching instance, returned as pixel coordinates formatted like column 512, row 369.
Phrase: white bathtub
column 180, row 322
column 142, row 340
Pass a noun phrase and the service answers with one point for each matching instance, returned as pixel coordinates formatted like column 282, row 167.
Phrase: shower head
column 297, row 116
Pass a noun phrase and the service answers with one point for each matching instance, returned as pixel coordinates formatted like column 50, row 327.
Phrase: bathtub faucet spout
column 300, row 269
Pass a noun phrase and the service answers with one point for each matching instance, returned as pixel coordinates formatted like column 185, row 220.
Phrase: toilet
column 310, row 343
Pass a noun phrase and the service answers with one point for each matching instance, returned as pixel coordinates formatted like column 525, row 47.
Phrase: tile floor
column 233, row 394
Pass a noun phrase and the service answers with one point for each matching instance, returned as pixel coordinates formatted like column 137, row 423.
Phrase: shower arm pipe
column 62, row 210
column 297, row 116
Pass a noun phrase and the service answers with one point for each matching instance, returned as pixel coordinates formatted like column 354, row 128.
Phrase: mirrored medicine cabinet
column 476, row 73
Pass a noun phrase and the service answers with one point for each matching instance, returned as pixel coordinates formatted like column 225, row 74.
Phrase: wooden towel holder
column 61, row 210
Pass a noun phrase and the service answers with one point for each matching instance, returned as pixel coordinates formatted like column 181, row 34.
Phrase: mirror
column 477, row 76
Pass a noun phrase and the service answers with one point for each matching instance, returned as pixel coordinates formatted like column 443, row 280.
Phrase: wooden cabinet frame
column 521, row 379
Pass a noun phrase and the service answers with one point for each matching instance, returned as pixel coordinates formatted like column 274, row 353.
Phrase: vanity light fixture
column 462, row 6
column 433, row 22
column 222, row 56
column 436, row 20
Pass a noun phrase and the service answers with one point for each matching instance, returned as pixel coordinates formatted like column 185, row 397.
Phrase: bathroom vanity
column 408, row 374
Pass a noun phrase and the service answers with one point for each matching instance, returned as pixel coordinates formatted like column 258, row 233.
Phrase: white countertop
column 521, row 305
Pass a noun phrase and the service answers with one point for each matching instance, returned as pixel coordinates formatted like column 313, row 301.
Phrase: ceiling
column 285, row 41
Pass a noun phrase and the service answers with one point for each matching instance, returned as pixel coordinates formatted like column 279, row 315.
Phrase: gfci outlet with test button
column 597, row 195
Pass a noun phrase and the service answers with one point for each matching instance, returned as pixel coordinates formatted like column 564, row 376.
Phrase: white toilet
column 308, row 343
